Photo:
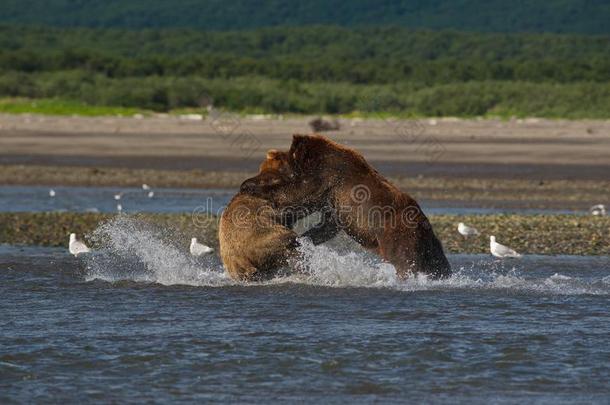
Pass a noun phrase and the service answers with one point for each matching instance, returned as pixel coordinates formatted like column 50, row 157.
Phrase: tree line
column 382, row 55
column 590, row 16
column 312, row 70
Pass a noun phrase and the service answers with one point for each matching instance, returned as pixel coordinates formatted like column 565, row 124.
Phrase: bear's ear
column 298, row 140
column 302, row 154
column 272, row 153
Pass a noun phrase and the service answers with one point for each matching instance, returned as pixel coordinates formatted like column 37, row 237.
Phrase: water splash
column 132, row 249
column 327, row 267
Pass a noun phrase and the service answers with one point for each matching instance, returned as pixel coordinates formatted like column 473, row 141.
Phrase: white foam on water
column 326, row 267
column 133, row 250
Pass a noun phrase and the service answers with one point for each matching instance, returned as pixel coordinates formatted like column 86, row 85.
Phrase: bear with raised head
column 256, row 239
column 355, row 198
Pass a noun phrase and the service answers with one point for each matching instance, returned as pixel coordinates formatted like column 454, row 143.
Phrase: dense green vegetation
column 257, row 94
column 375, row 55
column 576, row 16
column 309, row 70
column 61, row 107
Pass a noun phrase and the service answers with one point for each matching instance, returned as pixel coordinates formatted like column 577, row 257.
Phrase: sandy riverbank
column 533, row 149
column 487, row 163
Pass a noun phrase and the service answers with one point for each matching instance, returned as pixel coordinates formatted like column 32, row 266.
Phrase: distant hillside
column 317, row 53
column 558, row 16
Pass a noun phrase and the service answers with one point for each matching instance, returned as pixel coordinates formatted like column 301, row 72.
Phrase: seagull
column 77, row 247
column 499, row 250
column 51, row 193
column 598, row 210
column 151, row 194
column 119, row 208
column 118, row 196
column 466, row 230
column 145, row 187
column 198, row 249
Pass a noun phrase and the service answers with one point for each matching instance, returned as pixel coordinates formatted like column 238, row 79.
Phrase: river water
column 175, row 200
column 141, row 320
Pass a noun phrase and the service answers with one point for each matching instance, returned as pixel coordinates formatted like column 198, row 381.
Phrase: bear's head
column 274, row 171
column 276, row 161
column 295, row 178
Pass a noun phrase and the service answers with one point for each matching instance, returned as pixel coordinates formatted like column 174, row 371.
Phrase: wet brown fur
column 355, row 198
column 255, row 241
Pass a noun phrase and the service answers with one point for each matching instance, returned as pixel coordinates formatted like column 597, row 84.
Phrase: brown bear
column 255, row 238
column 355, row 198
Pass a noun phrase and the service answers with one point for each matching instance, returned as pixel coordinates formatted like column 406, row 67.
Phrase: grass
column 82, row 93
column 53, row 106
column 62, row 107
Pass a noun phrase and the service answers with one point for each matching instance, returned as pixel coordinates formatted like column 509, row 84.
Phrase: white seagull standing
column 118, row 196
column 145, row 187
column 598, row 210
column 198, row 249
column 151, row 194
column 466, row 230
column 51, row 193
column 77, row 247
column 119, row 208
column 499, row 250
